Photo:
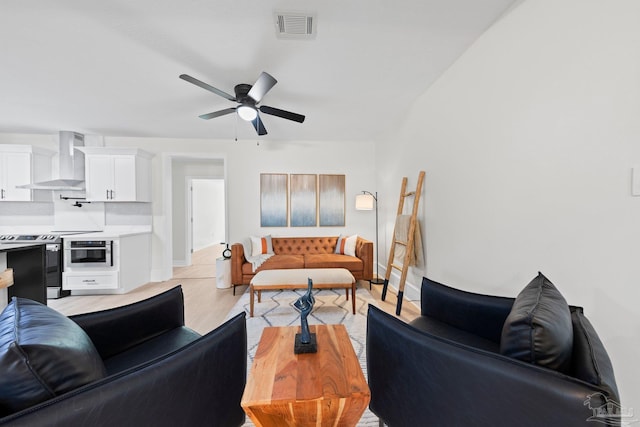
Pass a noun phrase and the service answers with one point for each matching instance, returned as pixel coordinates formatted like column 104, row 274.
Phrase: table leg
column 353, row 297
column 250, row 300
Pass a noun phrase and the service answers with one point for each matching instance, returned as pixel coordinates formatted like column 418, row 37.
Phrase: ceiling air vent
column 295, row 25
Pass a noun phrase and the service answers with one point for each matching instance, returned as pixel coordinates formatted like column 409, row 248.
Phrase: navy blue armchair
column 446, row 368
column 143, row 367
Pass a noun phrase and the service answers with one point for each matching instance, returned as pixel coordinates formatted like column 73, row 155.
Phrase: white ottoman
column 296, row 278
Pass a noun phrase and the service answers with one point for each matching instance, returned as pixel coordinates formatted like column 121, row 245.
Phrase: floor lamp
column 365, row 202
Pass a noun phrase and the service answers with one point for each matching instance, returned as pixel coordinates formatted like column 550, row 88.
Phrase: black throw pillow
column 42, row 354
column 538, row 329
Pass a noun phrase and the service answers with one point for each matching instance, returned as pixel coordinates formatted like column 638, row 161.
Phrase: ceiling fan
column 248, row 97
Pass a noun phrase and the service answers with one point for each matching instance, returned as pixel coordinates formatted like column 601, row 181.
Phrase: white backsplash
column 33, row 217
column 25, row 213
column 83, row 216
column 117, row 214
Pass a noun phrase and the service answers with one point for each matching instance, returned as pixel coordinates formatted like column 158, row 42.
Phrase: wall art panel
column 273, row 200
column 332, row 200
column 303, row 200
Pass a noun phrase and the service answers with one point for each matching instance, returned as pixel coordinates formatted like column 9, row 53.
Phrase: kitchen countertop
column 110, row 231
column 115, row 231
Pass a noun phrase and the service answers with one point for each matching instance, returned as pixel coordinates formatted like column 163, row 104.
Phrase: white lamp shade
column 364, row 202
column 246, row 112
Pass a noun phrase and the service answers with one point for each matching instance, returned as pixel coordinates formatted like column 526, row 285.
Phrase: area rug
column 331, row 307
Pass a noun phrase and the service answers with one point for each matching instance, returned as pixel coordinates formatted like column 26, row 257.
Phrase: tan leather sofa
column 304, row 252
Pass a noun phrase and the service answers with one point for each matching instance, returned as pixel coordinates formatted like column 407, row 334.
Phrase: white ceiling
column 111, row 67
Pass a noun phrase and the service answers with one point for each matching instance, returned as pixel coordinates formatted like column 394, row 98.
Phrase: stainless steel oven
column 84, row 254
column 53, row 258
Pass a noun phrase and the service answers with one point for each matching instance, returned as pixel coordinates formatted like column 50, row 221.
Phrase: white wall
column 528, row 143
column 355, row 160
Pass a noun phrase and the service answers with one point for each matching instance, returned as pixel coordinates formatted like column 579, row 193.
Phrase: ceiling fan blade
column 205, row 86
column 257, row 123
column 282, row 113
column 263, row 85
column 218, row 113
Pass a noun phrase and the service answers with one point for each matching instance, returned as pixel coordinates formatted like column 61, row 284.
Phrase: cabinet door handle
column 107, row 194
column 2, row 193
column 89, row 281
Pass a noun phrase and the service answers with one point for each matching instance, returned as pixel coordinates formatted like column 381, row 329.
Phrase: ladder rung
column 397, row 267
column 401, row 243
column 411, row 193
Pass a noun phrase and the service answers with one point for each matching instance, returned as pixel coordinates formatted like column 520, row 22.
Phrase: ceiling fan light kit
column 247, row 113
column 248, row 97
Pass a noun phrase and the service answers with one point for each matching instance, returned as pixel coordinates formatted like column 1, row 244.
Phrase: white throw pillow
column 246, row 244
column 346, row 245
column 261, row 245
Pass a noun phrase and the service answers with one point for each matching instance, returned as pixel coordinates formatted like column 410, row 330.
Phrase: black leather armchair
column 158, row 372
column 445, row 368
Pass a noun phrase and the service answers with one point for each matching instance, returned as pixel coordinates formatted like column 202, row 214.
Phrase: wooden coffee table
column 326, row 388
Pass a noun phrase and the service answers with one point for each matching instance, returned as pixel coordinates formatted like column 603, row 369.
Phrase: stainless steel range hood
column 71, row 162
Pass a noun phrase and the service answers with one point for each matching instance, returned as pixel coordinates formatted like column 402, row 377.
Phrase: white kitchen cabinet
column 131, row 266
column 93, row 281
column 21, row 165
column 117, row 175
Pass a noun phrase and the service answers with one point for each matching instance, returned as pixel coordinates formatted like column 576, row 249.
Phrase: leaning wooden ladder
column 409, row 244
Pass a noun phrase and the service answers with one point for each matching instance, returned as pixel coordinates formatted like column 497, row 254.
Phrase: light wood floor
column 206, row 306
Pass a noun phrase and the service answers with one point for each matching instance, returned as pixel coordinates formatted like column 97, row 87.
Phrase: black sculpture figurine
column 305, row 341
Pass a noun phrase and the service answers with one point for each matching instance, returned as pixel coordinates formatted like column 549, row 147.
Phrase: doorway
column 206, row 207
column 206, row 222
